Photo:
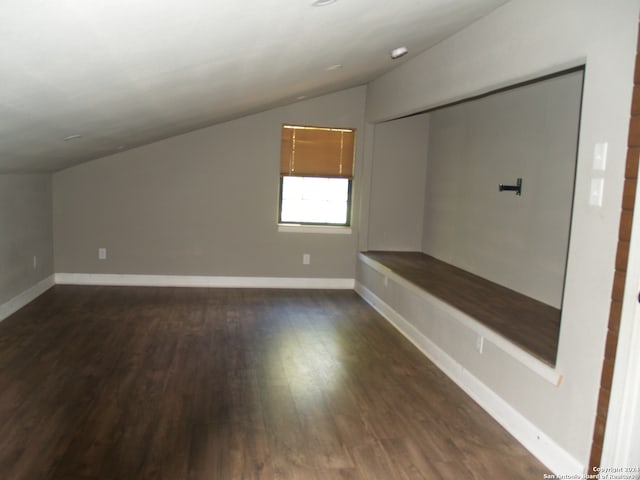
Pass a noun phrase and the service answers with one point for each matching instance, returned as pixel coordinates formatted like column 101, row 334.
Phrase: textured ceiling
column 123, row 73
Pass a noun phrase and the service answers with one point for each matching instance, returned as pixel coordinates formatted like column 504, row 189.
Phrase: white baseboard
column 203, row 281
column 20, row 300
column 558, row 460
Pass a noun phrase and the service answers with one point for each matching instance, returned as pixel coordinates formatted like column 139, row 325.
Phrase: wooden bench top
column 529, row 323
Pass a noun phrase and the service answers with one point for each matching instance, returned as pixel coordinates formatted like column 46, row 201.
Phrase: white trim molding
column 533, row 439
column 22, row 299
column 203, row 281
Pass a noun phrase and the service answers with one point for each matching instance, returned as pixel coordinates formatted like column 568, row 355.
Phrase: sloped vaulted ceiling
column 122, row 73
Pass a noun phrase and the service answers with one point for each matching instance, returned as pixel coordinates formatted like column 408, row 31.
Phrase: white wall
column 396, row 210
column 530, row 132
column 522, row 40
column 204, row 203
column 26, row 231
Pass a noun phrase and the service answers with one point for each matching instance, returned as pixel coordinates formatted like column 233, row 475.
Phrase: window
column 316, row 171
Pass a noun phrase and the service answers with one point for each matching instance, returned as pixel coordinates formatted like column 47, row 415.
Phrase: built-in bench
column 528, row 323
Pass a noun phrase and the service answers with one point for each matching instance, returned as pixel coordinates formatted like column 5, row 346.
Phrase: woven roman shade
column 317, row 152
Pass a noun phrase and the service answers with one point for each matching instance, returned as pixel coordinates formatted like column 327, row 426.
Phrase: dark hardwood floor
column 533, row 325
column 168, row 383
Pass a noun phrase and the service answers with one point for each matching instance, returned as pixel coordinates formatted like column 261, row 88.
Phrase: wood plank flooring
column 533, row 325
column 168, row 383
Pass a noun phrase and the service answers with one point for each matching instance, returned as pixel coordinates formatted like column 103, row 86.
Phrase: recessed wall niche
column 436, row 176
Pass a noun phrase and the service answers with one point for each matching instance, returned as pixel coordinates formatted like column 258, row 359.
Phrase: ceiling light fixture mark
column 322, row 3
column 71, row 137
column 337, row 66
column 399, row 52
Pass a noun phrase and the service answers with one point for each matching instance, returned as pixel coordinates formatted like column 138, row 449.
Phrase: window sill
column 314, row 229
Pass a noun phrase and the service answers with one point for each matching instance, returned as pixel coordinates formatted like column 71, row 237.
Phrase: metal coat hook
column 512, row 188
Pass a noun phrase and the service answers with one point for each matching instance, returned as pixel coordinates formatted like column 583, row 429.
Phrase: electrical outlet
column 102, row 253
column 306, row 258
column 480, row 343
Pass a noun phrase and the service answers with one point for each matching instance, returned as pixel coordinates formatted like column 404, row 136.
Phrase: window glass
column 315, row 200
